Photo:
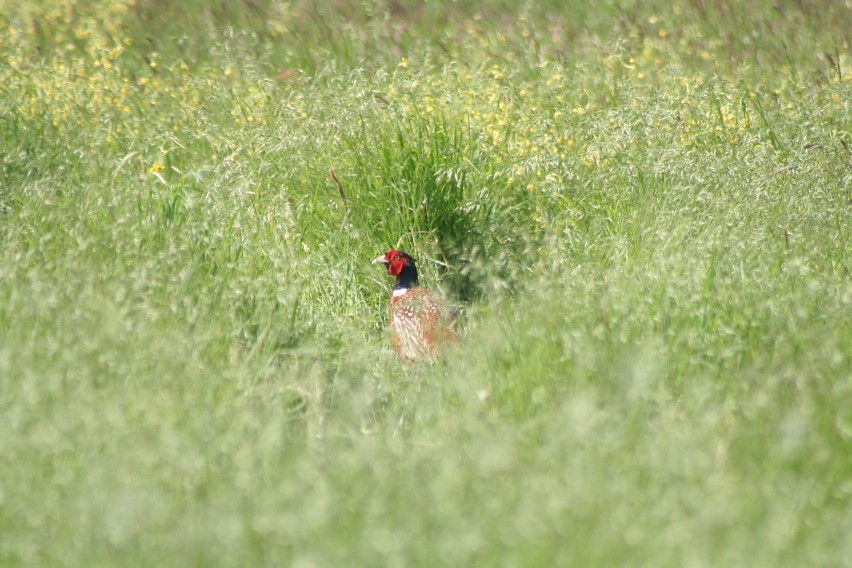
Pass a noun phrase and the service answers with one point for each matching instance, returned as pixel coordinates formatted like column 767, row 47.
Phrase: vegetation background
column 643, row 208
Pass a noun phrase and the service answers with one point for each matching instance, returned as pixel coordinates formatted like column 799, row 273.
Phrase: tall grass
column 643, row 211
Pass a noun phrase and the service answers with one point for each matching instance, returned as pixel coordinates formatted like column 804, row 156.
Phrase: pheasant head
column 403, row 266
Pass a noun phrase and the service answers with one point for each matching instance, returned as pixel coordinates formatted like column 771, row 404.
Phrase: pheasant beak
column 380, row 260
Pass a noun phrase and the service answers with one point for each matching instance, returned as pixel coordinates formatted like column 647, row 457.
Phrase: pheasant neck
column 406, row 279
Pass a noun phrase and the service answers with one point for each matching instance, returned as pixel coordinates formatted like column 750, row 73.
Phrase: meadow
column 641, row 209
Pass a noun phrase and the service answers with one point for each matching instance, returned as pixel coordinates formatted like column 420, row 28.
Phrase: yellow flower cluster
column 549, row 119
column 69, row 24
column 97, row 80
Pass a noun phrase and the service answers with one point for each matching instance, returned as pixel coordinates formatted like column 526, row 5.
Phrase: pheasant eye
column 397, row 257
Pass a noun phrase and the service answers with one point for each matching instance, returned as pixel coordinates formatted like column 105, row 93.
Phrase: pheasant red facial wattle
column 419, row 320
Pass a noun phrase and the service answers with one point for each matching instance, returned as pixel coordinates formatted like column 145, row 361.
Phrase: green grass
column 643, row 210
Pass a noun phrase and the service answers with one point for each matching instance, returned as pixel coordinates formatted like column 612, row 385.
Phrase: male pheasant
column 419, row 320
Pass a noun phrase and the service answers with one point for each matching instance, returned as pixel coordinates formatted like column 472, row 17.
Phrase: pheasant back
column 419, row 323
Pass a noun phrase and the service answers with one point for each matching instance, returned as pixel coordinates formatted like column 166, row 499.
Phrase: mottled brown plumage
column 419, row 320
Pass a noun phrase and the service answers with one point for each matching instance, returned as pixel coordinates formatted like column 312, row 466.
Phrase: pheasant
column 419, row 320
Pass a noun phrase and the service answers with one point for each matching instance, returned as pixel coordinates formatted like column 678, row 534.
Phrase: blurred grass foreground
column 642, row 208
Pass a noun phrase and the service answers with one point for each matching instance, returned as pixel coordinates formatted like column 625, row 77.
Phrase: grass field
column 642, row 208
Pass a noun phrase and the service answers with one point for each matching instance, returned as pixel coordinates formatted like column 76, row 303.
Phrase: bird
column 420, row 322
